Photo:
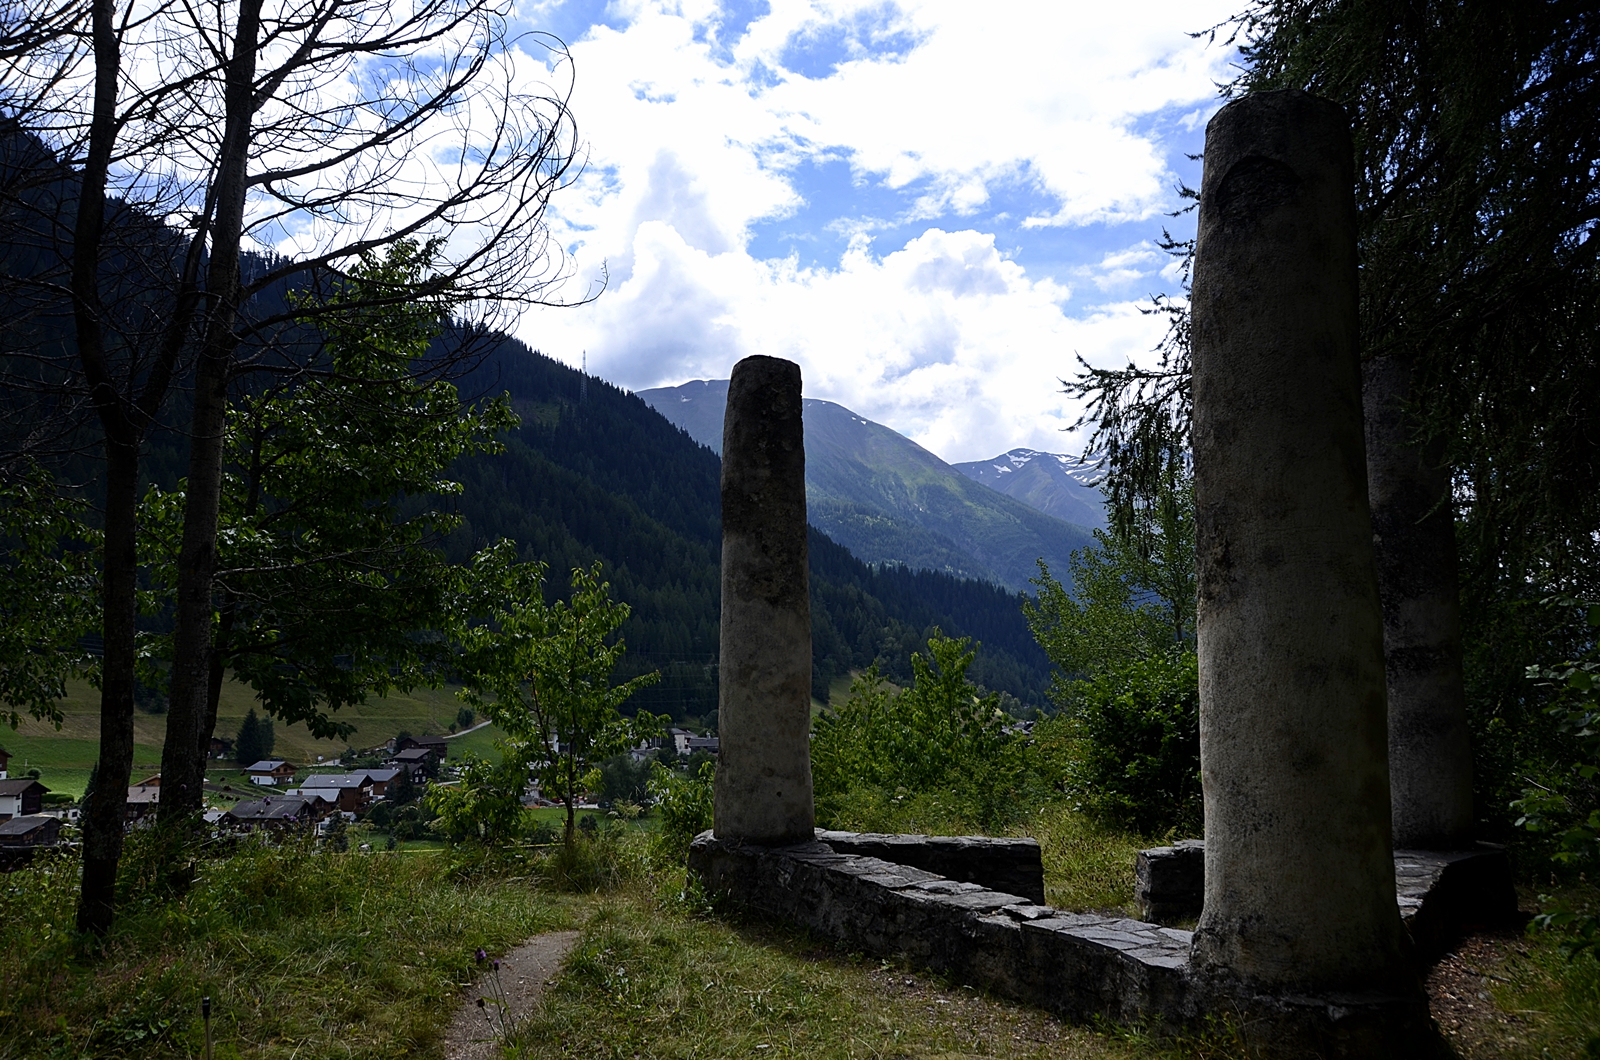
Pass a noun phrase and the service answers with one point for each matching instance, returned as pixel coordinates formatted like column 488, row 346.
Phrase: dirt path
column 523, row 974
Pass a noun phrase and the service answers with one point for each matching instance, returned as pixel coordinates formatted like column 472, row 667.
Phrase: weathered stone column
column 1414, row 536
column 763, row 790
column 1299, row 880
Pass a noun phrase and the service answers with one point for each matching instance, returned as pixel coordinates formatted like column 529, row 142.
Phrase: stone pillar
column 1413, row 526
column 1299, row 879
column 763, row 792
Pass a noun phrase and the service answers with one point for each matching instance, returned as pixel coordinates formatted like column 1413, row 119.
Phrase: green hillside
column 64, row 757
column 596, row 473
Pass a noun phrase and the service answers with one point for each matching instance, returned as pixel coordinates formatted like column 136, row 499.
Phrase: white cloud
column 697, row 134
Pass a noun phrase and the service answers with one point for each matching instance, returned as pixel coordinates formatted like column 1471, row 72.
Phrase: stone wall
column 1080, row 966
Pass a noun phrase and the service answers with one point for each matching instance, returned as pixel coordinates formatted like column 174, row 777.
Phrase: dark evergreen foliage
column 254, row 740
column 594, row 473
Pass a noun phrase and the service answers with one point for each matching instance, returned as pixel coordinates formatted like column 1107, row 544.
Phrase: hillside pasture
column 65, row 756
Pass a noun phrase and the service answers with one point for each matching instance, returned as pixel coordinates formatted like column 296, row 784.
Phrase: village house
column 348, row 792
column 420, row 762
column 270, row 772
column 143, row 799
column 381, row 779
column 32, row 831
column 21, row 797
column 280, row 813
column 5, row 761
column 437, row 744
column 221, row 747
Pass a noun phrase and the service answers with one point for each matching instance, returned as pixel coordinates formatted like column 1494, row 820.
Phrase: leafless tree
column 295, row 135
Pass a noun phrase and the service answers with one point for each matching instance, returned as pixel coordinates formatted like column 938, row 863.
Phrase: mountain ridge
column 892, row 502
column 1054, row 483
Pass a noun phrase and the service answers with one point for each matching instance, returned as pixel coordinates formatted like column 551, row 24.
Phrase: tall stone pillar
column 763, row 792
column 1299, row 881
column 1413, row 526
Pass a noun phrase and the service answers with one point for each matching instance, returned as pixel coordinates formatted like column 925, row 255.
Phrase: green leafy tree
column 624, row 780
column 331, row 584
column 941, row 735
column 49, row 594
column 1565, row 803
column 486, row 805
column 542, row 672
column 684, row 802
column 1122, row 639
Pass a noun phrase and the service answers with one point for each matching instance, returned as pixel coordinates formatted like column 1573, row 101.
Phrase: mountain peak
column 1057, row 484
column 890, row 501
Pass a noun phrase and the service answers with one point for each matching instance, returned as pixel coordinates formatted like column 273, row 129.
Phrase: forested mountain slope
column 594, row 473
column 890, row 501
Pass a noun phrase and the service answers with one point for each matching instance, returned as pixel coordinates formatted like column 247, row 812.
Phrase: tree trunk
column 182, row 762
column 1413, row 527
column 104, row 816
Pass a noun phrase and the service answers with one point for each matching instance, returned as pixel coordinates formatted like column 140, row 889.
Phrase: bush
column 683, row 802
column 941, row 736
column 1128, row 752
column 1565, row 804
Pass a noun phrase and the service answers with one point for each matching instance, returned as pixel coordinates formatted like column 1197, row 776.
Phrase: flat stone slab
column 1441, row 894
column 1015, row 866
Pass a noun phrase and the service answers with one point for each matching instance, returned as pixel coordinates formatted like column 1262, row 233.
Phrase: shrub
column 1129, row 750
column 941, row 735
column 683, row 802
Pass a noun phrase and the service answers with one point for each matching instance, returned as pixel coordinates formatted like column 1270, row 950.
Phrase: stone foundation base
column 1080, row 966
column 1442, row 894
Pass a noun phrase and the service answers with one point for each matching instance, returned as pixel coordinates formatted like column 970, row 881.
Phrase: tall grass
column 304, row 955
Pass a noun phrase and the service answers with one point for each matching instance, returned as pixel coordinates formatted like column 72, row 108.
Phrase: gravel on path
column 523, row 975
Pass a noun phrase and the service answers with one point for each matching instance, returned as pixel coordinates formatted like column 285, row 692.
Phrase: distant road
column 463, row 732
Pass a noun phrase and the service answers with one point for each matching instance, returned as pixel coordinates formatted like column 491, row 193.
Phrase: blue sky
column 931, row 206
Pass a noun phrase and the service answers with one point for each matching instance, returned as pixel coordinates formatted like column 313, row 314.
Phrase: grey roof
column 19, row 785
column 336, row 780
column 415, row 754
column 266, row 765
column 23, row 825
column 141, row 793
column 383, row 776
column 269, row 809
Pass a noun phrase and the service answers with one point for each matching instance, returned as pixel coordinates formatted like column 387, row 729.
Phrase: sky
column 932, row 207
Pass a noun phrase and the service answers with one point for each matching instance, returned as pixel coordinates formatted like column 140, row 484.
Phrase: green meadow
column 64, row 757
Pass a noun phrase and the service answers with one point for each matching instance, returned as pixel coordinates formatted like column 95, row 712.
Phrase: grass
column 304, row 955
column 64, row 756
column 315, row 956
column 649, row 980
